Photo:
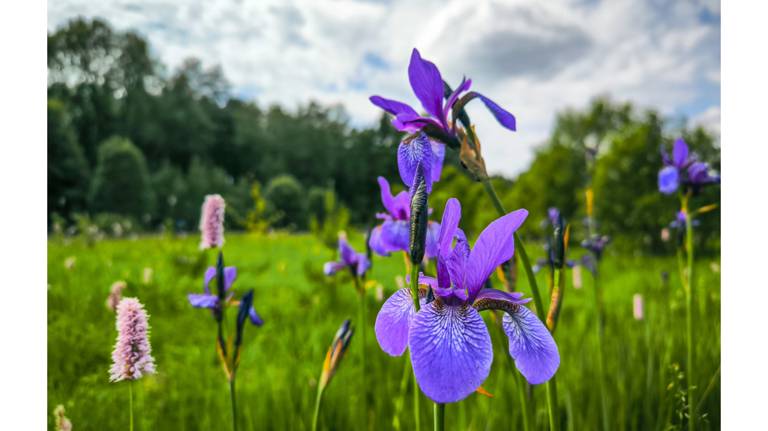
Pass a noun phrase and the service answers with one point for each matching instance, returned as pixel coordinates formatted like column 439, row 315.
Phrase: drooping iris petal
column 449, row 224
column 669, row 179
column 438, row 156
column 433, row 230
column 698, row 174
column 504, row 118
column 203, row 300
column 254, row 317
column 392, row 106
column 395, row 235
column 417, row 151
column 376, row 244
column 680, row 153
column 331, row 268
column 451, row 351
column 531, row 346
column 393, row 322
column 427, row 85
column 494, row 246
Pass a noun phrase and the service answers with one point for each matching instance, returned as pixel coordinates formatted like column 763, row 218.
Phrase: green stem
column 234, row 402
column 689, row 317
column 506, row 266
column 551, row 387
column 318, row 401
column 439, row 414
column 709, row 389
column 600, row 354
column 130, row 404
column 521, row 385
column 415, row 295
column 520, row 248
column 362, row 326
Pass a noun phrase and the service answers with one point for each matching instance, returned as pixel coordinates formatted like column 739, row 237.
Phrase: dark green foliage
column 286, row 202
column 121, row 182
column 67, row 167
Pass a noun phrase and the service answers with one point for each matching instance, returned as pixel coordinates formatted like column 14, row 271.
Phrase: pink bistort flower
column 132, row 355
column 212, row 222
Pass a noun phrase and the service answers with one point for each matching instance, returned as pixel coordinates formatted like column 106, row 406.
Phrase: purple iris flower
column 683, row 169
column 451, row 350
column 393, row 233
column 357, row 263
column 420, row 150
column 596, row 244
column 211, row 301
column 428, row 86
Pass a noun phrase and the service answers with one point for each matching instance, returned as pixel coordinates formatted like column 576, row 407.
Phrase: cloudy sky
column 533, row 57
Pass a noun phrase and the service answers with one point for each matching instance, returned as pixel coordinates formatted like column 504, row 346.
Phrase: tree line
column 129, row 138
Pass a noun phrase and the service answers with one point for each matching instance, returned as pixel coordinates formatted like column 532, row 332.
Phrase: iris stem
column 130, row 404
column 520, row 248
column 506, row 266
column 415, row 295
column 600, row 354
column 688, row 280
column 363, row 318
column 551, row 387
column 521, row 386
column 439, row 413
column 234, row 401
column 318, row 401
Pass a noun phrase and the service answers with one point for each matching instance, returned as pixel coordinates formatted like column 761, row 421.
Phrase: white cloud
column 534, row 58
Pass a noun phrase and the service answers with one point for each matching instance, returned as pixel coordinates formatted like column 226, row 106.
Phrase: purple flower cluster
column 450, row 345
column 132, row 356
column 683, row 169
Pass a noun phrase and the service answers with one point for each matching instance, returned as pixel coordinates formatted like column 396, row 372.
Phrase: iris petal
column 203, row 300
column 449, row 224
column 331, row 268
column 392, row 106
column 412, row 153
column 680, row 153
column 669, row 179
column 427, row 85
column 254, row 317
column 395, row 235
column 393, row 322
column 433, row 230
column 531, row 346
column 504, row 118
column 438, row 156
column 494, row 246
column 451, row 351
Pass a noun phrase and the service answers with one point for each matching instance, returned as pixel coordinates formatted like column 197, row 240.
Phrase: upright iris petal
column 357, row 263
column 427, row 85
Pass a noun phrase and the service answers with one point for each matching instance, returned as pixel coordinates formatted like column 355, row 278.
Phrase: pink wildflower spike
column 115, row 294
column 637, row 306
column 132, row 355
column 212, row 222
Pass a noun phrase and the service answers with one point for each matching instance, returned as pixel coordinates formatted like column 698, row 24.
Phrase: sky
column 534, row 58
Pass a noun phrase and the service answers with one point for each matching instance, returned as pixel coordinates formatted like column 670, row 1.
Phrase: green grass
column 281, row 361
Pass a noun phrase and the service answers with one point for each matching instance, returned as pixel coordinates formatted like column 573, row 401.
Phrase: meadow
column 302, row 309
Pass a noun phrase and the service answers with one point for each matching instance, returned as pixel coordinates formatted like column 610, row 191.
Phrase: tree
column 121, row 182
column 286, row 202
column 67, row 168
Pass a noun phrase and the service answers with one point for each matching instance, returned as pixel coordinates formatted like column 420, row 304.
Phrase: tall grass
column 278, row 372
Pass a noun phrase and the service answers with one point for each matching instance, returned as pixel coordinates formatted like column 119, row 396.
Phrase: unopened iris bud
column 242, row 315
column 558, row 242
column 336, row 353
column 419, row 214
